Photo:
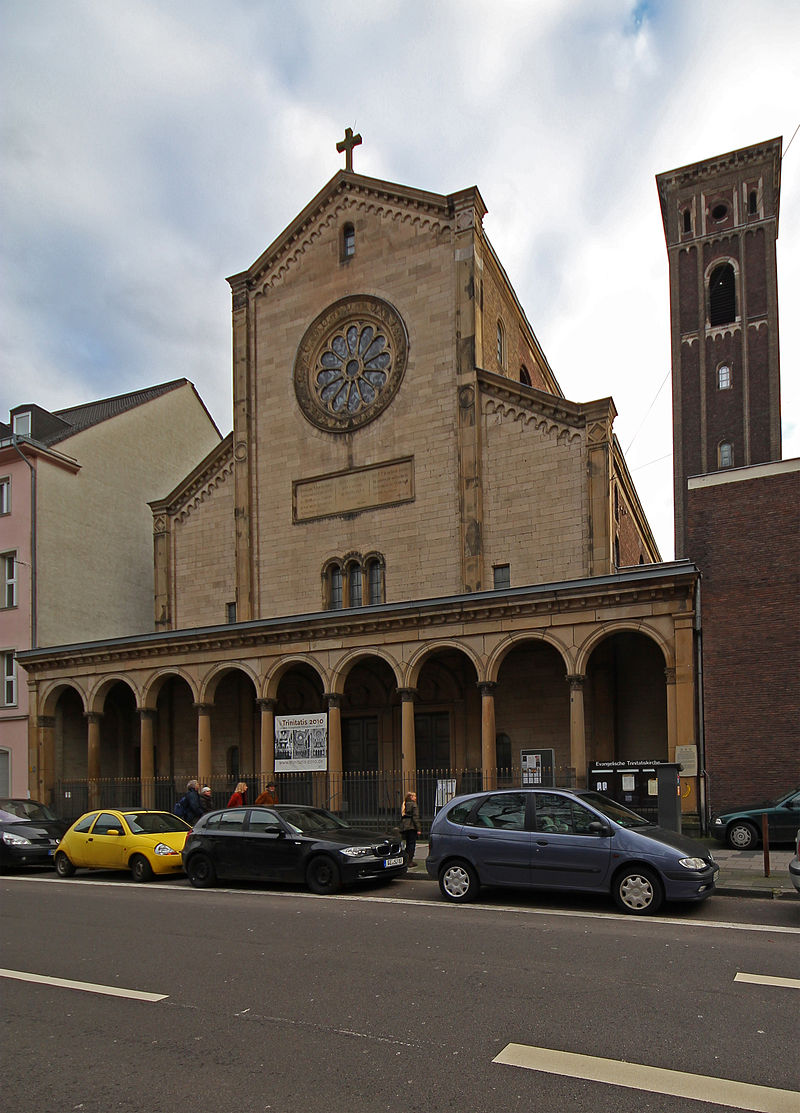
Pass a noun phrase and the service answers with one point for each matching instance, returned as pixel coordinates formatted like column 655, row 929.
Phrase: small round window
column 719, row 212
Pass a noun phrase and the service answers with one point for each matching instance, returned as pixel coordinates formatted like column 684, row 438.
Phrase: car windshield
column 154, row 823
column 309, row 821
column 614, row 811
column 25, row 809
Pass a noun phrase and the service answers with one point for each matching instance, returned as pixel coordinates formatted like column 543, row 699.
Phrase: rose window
column 354, row 369
column 350, row 363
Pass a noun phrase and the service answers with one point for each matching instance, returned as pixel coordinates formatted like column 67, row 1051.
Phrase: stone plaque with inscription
column 348, row 492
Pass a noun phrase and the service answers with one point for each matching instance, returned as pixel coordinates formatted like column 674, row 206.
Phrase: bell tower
column 721, row 226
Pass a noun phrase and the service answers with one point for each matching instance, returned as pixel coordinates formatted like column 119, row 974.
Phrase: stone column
column 335, row 762
column 267, row 740
column 93, row 757
column 685, row 699
column 147, row 764
column 46, row 747
column 408, row 741
column 203, row 742
column 488, row 734
column 577, row 729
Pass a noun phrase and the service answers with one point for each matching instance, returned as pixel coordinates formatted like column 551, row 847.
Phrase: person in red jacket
column 239, row 796
column 268, row 797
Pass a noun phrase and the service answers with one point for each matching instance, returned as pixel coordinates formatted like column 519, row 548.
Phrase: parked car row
column 536, row 838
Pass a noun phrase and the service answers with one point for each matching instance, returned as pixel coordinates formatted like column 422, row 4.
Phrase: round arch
column 52, row 693
column 514, row 641
column 210, row 682
column 607, row 630
column 417, row 661
column 157, row 680
column 97, row 695
column 345, row 665
column 272, row 679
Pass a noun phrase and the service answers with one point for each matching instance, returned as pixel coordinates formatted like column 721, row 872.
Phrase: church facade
column 410, row 530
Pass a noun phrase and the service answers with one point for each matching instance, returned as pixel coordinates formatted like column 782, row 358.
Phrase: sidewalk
column 741, row 872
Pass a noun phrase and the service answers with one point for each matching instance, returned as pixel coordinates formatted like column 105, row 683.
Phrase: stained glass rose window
column 350, row 363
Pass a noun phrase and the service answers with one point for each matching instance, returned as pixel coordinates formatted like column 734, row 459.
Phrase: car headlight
column 693, row 863
column 357, row 851
column 15, row 840
column 162, row 848
column 719, row 823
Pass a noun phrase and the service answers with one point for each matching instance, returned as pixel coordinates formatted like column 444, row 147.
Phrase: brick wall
column 744, row 534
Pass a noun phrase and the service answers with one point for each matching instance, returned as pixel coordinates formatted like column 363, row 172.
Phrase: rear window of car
column 458, row 814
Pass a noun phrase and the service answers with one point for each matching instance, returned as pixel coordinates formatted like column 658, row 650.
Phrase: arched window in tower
column 752, row 203
column 687, row 220
column 722, row 295
column 348, row 241
column 524, row 376
column 724, row 376
column 725, row 454
column 501, row 346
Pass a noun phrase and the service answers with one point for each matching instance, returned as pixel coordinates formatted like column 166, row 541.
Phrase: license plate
column 393, row 862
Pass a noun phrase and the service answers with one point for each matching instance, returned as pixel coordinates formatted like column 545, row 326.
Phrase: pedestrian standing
column 194, row 805
column 205, row 798
column 410, row 826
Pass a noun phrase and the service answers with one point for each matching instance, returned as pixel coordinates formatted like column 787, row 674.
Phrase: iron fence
column 364, row 798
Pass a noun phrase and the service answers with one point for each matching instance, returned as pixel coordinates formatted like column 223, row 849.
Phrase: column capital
column 486, row 687
column 266, row 704
column 576, row 681
column 407, row 695
column 203, row 708
column 93, row 716
column 46, row 721
column 334, row 699
column 147, row 713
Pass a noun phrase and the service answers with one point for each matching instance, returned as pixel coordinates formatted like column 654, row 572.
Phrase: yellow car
column 144, row 842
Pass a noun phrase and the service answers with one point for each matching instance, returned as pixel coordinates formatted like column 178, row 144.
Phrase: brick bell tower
column 721, row 225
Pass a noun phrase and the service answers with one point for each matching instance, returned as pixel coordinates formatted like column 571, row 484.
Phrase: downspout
column 23, row 457
column 702, row 781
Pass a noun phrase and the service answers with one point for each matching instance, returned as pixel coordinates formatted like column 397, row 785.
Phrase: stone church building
column 410, row 529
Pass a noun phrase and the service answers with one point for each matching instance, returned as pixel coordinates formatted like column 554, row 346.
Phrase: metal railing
column 364, row 798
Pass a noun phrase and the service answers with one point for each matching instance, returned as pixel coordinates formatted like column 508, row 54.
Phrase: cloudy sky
column 152, row 147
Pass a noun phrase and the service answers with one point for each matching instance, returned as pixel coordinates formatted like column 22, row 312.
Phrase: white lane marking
column 766, row 979
column 86, row 987
column 456, row 909
column 637, row 1076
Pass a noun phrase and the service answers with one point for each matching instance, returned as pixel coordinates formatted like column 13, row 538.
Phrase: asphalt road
column 389, row 999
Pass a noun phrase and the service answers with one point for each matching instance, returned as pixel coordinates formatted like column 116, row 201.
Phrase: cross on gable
column 347, row 145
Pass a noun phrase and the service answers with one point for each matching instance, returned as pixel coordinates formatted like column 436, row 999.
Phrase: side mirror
column 599, row 828
column 275, row 829
column 113, row 831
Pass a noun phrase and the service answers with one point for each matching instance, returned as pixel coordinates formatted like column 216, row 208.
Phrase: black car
column 288, row 842
column 29, row 833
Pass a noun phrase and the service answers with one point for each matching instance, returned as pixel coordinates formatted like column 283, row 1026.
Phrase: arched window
column 501, row 347
column 335, row 587
column 354, row 585
column 503, row 744
column 752, row 203
column 687, row 220
column 375, row 580
column 725, row 454
column 348, row 241
column 524, row 376
column 724, row 377
column 722, row 295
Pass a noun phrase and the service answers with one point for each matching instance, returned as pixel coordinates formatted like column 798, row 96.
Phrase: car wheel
column 459, row 882
column 64, row 868
column 638, row 890
column 201, row 871
column 141, row 868
column 741, row 836
column 322, row 876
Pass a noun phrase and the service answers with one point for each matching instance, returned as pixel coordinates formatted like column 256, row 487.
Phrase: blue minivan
column 556, row 838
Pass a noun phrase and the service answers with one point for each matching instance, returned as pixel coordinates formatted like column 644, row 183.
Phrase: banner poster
column 301, row 742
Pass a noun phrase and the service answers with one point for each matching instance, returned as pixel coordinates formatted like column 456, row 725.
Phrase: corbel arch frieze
column 547, row 426
column 274, row 675
column 414, row 665
column 156, row 681
column 343, row 667
column 520, row 637
column 205, row 491
column 210, row 682
column 622, row 626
